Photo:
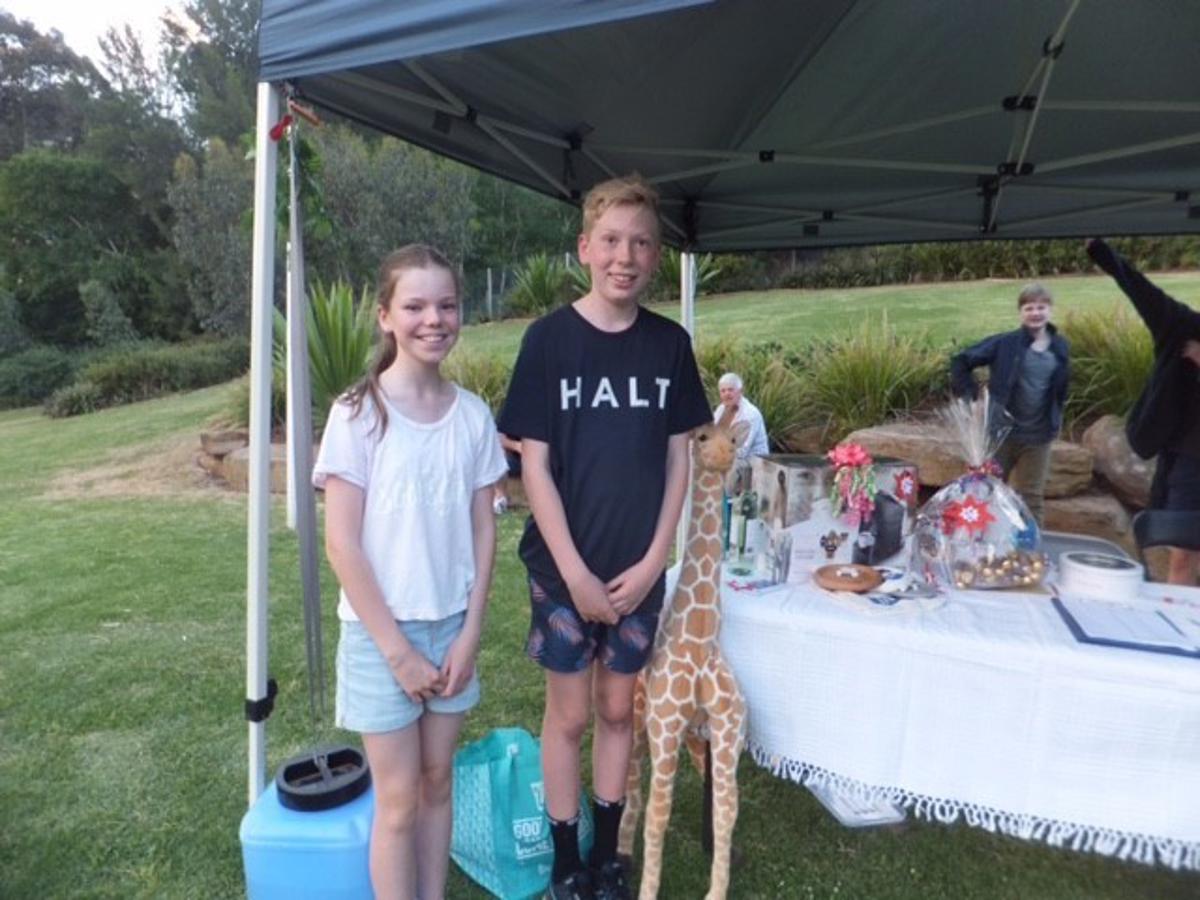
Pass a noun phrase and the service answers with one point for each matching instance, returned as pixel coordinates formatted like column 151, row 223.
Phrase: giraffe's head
column 714, row 447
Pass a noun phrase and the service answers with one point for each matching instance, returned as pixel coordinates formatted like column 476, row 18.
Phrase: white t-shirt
column 756, row 441
column 418, row 480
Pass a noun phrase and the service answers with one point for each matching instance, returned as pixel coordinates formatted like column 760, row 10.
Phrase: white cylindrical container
column 1099, row 576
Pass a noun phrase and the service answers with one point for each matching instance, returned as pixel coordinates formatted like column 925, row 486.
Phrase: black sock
column 607, row 817
column 566, row 848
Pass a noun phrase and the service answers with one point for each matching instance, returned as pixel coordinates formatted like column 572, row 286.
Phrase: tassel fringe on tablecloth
column 1124, row 845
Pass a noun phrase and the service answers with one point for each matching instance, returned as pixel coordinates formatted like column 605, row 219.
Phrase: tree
column 107, row 323
column 213, row 61
column 132, row 125
column 13, row 336
column 512, row 222
column 380, row 194
column 212, row 199
column 64, row 220
column 44, row 86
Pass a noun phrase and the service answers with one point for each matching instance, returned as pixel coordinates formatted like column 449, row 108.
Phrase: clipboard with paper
column 1132, row 628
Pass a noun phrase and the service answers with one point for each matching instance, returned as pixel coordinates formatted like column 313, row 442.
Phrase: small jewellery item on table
column 841, row 577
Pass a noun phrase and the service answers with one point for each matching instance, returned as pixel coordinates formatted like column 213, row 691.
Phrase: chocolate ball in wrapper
column 977, row 533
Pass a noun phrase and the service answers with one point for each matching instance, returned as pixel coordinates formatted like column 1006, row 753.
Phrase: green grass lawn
column 122, row 617
column 949, row 313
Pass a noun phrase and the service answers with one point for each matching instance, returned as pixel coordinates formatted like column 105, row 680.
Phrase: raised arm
column 1166, row 317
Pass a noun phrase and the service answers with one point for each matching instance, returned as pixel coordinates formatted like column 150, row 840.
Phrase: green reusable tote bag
column 501, row 836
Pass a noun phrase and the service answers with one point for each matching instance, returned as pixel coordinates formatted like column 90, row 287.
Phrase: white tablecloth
column 985, row 708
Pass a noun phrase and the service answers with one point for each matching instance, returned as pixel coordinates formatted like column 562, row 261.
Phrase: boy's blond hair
column 627, row 190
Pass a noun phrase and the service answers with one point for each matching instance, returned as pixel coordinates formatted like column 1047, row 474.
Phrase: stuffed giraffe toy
column 687, row 684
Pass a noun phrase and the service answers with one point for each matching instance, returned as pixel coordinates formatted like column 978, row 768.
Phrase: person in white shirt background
column 735, row 408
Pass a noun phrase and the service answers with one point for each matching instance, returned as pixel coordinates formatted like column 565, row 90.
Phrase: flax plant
column 1111, row 358
column 871, row 376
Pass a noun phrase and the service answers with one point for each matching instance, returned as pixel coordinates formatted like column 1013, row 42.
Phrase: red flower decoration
column 279, row 128
column 970, row 514
column 849, row 455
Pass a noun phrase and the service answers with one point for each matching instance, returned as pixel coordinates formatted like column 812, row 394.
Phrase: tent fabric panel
column 872, row 120
column 300, row 38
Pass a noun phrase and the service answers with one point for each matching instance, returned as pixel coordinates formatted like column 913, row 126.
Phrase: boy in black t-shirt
column 603, row 396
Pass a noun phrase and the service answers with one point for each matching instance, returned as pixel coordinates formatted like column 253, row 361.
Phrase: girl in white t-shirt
column 408, row 461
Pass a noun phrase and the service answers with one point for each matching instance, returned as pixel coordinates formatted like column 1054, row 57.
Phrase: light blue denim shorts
column 370, row 700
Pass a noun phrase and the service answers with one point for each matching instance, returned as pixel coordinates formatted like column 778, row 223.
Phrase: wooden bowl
column 847, row 577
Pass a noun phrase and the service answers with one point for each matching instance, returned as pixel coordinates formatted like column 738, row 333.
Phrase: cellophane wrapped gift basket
column 976, row 532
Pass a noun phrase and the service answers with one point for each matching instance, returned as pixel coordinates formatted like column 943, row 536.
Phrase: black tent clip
column 259, row 710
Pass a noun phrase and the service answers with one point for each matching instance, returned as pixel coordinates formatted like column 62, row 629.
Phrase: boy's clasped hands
column 607, row 603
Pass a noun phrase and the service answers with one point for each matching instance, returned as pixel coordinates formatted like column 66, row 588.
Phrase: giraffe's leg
column 633, row 789
column 727, row 727
column 665, row 735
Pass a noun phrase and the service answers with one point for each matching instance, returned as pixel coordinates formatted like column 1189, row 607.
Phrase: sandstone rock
column 811, row 439
column 926, row 445
column 930, row 448
column 222, row 443
column 1096, row 514
column 1127, row 473
column 209, row 463
column 235, row 468
column 1070, row 469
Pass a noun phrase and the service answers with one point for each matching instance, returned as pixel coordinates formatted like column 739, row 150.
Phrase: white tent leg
column 687, row 318
column 290, row 420
column 259, row 507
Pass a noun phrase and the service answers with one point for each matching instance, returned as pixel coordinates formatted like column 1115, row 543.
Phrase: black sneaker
column 576, row 886
column 610, row 882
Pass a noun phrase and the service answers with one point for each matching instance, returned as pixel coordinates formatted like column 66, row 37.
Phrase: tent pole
column 687, row 318
column 259, row 506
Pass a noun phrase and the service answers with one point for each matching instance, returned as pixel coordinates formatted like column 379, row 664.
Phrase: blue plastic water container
column 293, row 855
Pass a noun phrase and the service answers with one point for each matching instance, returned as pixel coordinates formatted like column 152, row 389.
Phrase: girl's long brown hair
column 395, row 264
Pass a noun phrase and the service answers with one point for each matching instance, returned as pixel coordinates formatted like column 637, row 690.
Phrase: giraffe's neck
column 708, row 495
column 702, row 554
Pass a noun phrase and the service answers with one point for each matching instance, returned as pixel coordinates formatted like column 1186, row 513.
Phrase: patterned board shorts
column 561, row 641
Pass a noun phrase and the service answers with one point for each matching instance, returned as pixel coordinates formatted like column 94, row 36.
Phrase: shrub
column 1111, row 359
column 739, row 272
column 481, row 374
column 74, row 400
column 580, row 277
column 665, row 285
column 341, row 337
column 868, row 377
column 541, row 283
column 769, row 380
column 13, row 336
column 237, row 408
column 32, row 375
column 140, row 372
column 107, row 323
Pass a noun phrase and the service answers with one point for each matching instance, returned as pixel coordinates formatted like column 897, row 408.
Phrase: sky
column 82, row 22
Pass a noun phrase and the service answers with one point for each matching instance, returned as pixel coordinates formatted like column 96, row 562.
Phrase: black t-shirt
column 606, row 404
